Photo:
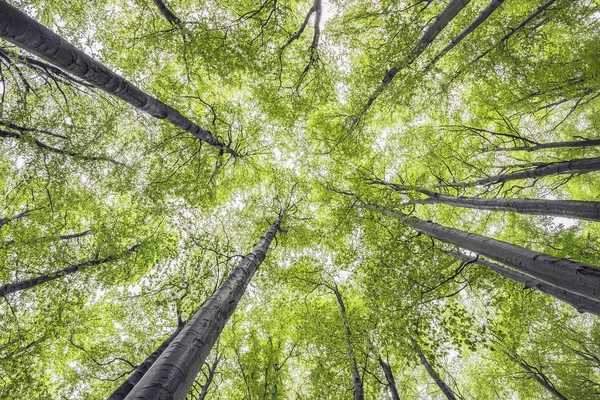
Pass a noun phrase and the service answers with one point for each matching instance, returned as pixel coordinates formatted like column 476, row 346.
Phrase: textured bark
column 589, row 210
column 438, row 381
column 580, row 303
column 571, row 276
column 451, row 11
column 554, row 145
column 23, row 31
column 173, row 374
column 359, row 393
column 29, row 283
column 122, row 391
column 494, row 4
column 389, row 376
column 168, row 14
column 578, row 166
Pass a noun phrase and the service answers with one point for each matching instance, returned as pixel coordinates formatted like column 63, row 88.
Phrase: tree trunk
column 577, row 209
column 580, row 303
column 572, row 276
column 122, row 391
column 540, row 377
column 439, row 381
column 451, row 10
column 554, row 145
column 4, row 221
column 387, row 371
column 465, row 32
column 173, row 374
column 24, row 32
column 578, row 166
column 168, row 14
column 359, row 393
column 29, row 283
column 527, row 20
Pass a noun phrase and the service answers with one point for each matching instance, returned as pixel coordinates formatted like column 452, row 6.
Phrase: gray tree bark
column 553, row 145
column 580, row 303
column 4, row 221
column 465, row 32
column 359, row 393
column 589, row 210
column 571, row 276
column 122, row 391
column 538, row 375
column 438, row 380
column 211, row 375
column 173, row 374
column 26, row 33
column 577, row 166
column 451, row 11
column 29, row 283
column 389, row 376
column 168, row 14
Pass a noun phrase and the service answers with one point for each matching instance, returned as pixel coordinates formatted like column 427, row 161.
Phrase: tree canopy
column 419, row 176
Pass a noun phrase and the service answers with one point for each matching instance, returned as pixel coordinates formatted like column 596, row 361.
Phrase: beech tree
column 441, row 227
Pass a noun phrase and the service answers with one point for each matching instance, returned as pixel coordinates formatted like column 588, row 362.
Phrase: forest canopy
column 281, row 199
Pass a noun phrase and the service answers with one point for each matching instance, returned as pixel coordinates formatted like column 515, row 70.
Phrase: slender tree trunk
column 211, row 375
column 540, row 377
column 122, row 391
column 4, row 221
column 25, row 138
column 173, row 374
column 572, row 276
column 24, row 32
column 554, row 145
column 578, row 166
column 359, row 393
column 580, row 303
column 168, row 14
column 29, row 283
column 465, row 32
column 527, row 20
column 451, row 11
column 61, row 237
column 439, row 381
column 577, row 209
column 389, row 376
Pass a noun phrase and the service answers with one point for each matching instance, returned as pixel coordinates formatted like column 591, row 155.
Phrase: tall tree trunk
column 553, row 145
column 173, row 374
column 21, row 30
column 168, row 14
column 465, row 32
column 359, row 393
column 438, row 381
column 29, row 283
column 451, row 10
column 578, row 166
column 122, row 391
column 577, row 209
column 568, row 275
column 580, row 303
column 389, row 376
column 538, row 375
